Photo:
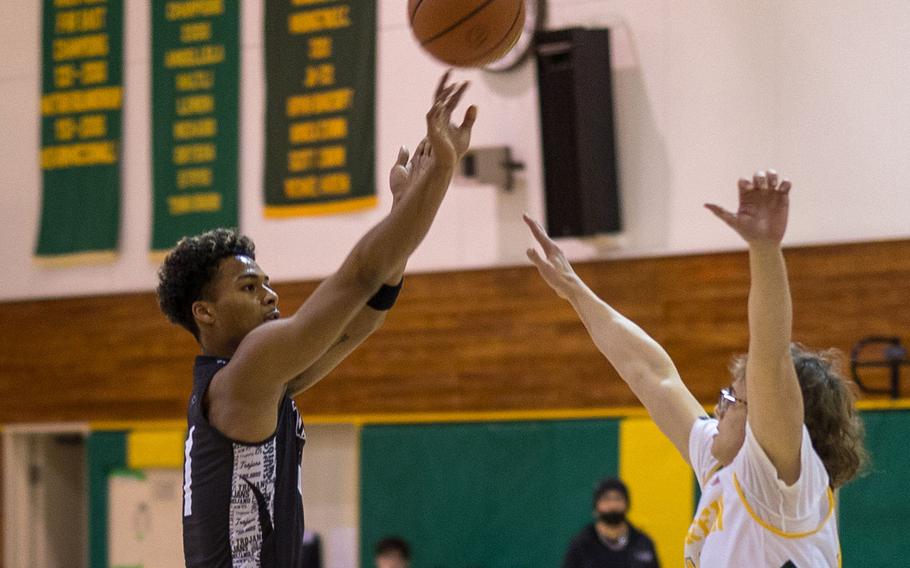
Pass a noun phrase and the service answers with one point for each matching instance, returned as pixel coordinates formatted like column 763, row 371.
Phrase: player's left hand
column 763, row 209
column 405, row 173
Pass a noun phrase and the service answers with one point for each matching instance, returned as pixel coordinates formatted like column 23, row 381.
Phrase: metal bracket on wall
column 493, row 165
column 893, row 355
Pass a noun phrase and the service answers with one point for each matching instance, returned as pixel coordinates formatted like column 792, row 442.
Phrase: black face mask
column 613, row 517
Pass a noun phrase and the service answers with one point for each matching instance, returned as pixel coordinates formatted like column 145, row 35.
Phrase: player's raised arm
column 404, row 175
column 272, row 355
column 772, row 388
column 640, row 361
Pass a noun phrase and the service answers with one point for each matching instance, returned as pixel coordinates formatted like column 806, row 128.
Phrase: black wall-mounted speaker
column 579, row 144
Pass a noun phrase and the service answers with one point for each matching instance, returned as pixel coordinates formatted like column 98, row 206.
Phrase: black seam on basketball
column 414, row 13
column 480, row 58
column 456, row 24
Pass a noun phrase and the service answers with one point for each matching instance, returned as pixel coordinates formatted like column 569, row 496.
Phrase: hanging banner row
column 320, row 90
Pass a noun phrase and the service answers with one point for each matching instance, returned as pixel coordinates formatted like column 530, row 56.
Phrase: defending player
column 785, row 433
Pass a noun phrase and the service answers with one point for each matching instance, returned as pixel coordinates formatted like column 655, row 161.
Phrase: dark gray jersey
column 242, row 505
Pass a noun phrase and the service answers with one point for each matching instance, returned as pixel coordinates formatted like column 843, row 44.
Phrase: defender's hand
column 763, row 209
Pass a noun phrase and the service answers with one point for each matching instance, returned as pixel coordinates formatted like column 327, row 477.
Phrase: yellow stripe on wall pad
column 155, row 449
column 661, row 489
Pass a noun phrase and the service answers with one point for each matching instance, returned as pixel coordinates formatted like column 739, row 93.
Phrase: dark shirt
column 241, row 502
column 588, row 551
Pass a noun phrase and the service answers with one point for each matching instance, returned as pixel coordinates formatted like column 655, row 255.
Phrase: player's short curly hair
column 188, row 269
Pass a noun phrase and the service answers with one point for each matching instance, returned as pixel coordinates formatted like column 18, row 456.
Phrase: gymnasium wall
column 511, row 495
column 330, row 484
column 705, row 91
column 501, row 492
column 483, row 340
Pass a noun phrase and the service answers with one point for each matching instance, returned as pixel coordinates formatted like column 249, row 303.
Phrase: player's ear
column 203, row 312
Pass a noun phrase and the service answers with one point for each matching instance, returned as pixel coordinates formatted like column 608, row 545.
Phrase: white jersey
column 748, row 517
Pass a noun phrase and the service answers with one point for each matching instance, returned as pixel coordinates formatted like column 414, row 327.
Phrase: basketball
column 466, row 33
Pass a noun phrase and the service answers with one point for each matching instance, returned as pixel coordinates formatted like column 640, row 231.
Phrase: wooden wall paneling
column 495, row 339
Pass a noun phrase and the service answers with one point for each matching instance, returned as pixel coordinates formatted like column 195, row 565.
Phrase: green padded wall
column 875, row 509
column 494, row 495
column 105, row 452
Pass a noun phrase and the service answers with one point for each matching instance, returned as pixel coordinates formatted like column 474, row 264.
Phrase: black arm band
column 385, row 298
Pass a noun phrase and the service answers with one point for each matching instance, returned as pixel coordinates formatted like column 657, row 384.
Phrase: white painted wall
column 706, row 91
column 331, row 490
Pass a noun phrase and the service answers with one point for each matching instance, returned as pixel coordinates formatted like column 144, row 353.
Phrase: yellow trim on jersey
column 776, row 530
column 711, row 473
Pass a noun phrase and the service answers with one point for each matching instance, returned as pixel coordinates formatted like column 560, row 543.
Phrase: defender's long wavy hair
column 830, row 414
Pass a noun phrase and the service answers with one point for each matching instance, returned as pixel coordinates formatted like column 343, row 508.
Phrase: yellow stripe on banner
column 661, row 489
column 75, row 259
column 154, row 449
column 284, row 211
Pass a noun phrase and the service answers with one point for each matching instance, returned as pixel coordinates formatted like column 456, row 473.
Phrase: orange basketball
column 466, row 33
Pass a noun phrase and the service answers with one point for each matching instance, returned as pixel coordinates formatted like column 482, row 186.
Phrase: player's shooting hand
column 448, row 141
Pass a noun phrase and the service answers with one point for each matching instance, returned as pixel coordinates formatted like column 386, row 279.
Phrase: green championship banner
column 195, row 106
column 320, row 63
column 81, row 101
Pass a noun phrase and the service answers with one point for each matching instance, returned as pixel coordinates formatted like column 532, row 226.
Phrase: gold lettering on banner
column 194, row 56
column 194, row 177
column 195, row 104
column 65, row 75
column 332, row 157
column 81, row 21
column 88, row 73
column 75, row 155
column 76, row 114
column 194, row 80
column 309, row 2
column 301, row 160
column 195, row 31
column 320, row 103
column 93, row 72
column 92, row 126
column 297, row 188
column 85, row 100
column 320, row 20
column 335, row 184
column 65, row 129
column 322, row 75
column 63, row 4
column 201, row 128
column 191, row 9
column 319, row 47
column 81, row 47
column 194, row 154
column 318, row 130
column 313, row 186
column 195, row 203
